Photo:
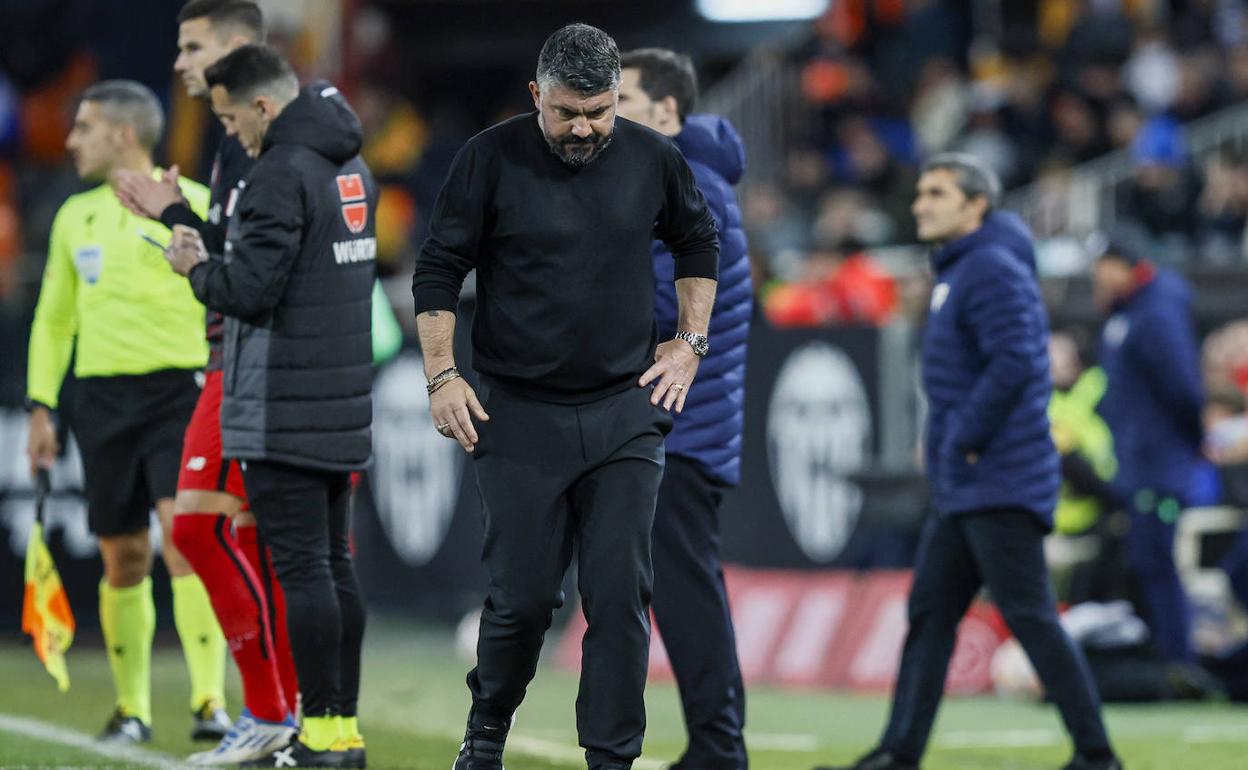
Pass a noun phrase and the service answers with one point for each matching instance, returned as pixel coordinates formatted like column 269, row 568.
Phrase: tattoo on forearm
column 433, row 314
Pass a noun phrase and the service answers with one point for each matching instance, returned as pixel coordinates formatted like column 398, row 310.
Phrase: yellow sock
column 203, row 644
column 350, row 729
column 319, row 733
column 128, row 620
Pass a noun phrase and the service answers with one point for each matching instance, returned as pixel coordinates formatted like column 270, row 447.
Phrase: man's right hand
column 148, row 197
column 185, row 250
column 41, row 445
column 453, row 406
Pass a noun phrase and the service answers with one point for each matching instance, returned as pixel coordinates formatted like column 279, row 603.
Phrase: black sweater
column 565, row 285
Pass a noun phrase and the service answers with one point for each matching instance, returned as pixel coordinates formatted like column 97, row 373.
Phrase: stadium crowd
column 1035, row 89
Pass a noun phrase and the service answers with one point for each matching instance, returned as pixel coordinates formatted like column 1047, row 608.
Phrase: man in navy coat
column 991, row 465
column 658, row 88
column 1153, row 401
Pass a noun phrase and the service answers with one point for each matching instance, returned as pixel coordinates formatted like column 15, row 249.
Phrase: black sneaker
column 297, row 754
column 482, row 748
column 1083, row 763
column 1191, row 682
column 209, row 722
column 123, row 729
column 876, row 760
column 357, row 756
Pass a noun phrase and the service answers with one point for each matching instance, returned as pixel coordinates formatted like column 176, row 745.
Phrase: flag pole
column 43, row 485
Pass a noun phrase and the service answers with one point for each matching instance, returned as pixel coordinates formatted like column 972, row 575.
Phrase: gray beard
column 559, row 150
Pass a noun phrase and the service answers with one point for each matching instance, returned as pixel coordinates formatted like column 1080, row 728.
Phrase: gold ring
column 678, row 386
column 444, row 429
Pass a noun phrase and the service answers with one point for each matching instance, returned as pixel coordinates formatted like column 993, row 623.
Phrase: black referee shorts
column 129, row 430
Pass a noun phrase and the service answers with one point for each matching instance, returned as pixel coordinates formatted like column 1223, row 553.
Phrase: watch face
column 696, row 341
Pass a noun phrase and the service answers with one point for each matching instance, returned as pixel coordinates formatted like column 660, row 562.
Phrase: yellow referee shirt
column 110, row 298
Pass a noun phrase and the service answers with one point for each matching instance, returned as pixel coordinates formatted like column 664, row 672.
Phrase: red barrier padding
column 827, row 629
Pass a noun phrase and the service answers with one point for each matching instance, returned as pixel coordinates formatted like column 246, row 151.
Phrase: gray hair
column 974, row 177
column 580, row 57
column 131, row 103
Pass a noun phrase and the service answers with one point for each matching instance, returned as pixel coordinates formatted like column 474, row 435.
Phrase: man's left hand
column 675, row 366
column 186, row 250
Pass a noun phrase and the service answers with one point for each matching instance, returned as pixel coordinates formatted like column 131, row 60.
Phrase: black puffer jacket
column 229, row 167
column 296, row 285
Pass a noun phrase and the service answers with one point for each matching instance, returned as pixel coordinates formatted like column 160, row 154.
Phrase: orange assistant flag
column 45, row 609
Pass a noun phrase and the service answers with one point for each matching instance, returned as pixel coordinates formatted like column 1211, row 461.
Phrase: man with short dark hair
column 658, row 88
column 229, row 20
column 1152, row 404
column 213, row 526
column 135, row 333
column 556, row 211
column 295, row 286
column 991, row 465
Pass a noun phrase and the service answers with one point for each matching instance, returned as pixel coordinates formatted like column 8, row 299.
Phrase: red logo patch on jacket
column 354, row 207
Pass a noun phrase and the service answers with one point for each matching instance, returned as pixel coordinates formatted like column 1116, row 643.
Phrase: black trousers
column 1004, row 550
column 691, row 610
column 304, row 519
column 552, row 475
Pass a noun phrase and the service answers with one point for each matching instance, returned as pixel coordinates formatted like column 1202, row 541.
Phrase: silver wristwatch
column 698, row 342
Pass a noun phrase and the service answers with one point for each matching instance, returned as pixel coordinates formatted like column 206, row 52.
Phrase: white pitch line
column 998, row 739
column 1215, row 734
column 540, row 748
column 547, row 749
column 543, row 749
column 782, row 741
column 64, row 736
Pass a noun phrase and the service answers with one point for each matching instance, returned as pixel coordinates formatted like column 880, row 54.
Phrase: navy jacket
column 708, row 431
column 1153, row 396
column 986, row 375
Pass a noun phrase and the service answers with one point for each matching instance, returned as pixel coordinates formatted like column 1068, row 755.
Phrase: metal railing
column 1086, row 197
column 760, row 98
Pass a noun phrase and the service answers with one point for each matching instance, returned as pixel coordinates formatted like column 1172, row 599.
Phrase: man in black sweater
column 556, row 210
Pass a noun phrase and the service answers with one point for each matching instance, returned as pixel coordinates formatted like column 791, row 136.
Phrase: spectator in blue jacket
column 992, row 467
column 658, row 89
column 1153, row 401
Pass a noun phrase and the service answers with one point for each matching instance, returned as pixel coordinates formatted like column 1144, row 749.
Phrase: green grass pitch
column 414, row 701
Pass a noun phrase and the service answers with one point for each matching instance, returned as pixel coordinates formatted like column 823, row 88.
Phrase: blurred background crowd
column 1086, row 109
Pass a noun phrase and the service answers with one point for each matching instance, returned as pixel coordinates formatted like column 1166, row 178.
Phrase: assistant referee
column 135, row 332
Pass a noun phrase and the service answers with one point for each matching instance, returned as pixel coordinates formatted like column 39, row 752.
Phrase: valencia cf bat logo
column 354, row 207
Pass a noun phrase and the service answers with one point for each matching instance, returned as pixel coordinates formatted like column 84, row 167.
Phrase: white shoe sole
column 255, row 749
